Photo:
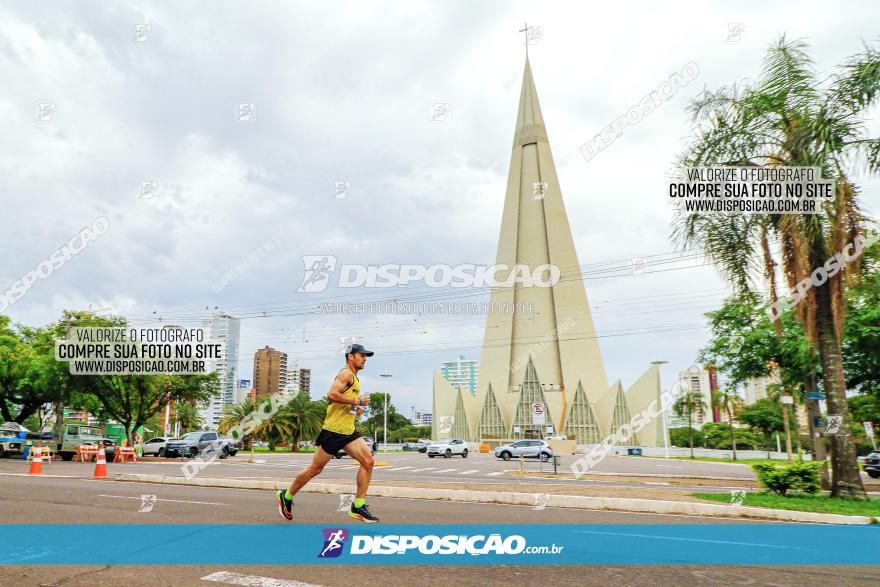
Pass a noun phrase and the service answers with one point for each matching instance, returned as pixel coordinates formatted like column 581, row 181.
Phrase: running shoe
column 285, row 506
column 363, row 514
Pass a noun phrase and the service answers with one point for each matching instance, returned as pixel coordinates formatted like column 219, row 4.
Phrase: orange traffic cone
column 101, row 464
column 37, row 462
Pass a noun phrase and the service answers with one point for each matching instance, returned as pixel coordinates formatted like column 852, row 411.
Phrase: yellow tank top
column 341, row 417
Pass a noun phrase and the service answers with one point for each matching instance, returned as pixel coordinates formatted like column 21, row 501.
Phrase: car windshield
column 85, row 431
column 192, row 436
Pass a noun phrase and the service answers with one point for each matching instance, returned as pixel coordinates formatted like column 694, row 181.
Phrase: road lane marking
column 469, row 472
column 254, row 580
column 175, row 500
column 399, row 468
column 424, row 469
column 495, row 473
column 446, row 470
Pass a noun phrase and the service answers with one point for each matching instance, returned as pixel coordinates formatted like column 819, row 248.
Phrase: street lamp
column 386, row 376
column 663, row 413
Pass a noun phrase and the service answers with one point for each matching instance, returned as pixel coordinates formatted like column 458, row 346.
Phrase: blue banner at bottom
column 468, row 544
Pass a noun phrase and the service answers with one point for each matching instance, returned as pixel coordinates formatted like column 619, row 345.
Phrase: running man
column 338, row 433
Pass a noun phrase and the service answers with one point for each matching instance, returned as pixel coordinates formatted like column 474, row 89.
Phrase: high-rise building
column 221, row 328
column 422, row 418
column 461, row 373
column 299, row 380
column 697, row 380
column 548, row 354
column 270, row 372
column 243, row 390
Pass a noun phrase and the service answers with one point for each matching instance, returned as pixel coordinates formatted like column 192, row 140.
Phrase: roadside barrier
column 85, row 452
column 37, row 463
column 124, row 453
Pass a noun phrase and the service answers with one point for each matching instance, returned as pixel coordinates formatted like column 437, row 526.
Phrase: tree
column 687, row 404
column 303, row 418
column 272, row 429
column 729, row 401
column 187, row 416
column 764, row 415
column 234, row 415
column 789, row 118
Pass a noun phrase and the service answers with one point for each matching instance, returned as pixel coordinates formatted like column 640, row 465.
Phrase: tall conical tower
column 544, row 356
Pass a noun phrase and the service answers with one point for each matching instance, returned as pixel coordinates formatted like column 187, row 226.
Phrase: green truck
column 76, row 433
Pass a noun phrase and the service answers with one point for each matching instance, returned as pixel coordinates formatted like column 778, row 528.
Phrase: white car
column 447, row 448
column 156, row 446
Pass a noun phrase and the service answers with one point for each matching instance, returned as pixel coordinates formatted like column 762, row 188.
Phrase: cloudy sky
column 343, row 92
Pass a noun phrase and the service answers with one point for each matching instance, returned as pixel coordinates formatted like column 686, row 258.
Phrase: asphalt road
column 42, row 500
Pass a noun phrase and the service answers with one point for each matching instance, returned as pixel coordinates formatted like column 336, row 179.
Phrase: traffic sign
column 869, row 429
column 538, row 413
column 815, row 395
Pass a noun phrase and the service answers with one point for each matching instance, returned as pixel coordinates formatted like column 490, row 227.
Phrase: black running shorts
column 333, row 442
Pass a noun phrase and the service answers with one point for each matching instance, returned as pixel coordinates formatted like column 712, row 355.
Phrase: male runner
column 338, row 433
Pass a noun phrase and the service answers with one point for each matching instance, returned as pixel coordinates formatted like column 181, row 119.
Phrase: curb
column 515, row 474
column 649, row 506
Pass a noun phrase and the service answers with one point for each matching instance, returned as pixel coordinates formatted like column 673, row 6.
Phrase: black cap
column 359, row 348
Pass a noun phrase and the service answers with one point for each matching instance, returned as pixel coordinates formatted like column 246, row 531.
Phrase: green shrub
column 798, row 476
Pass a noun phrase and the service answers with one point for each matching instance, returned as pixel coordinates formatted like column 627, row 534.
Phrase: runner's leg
column 315, row 467
column 358, row 450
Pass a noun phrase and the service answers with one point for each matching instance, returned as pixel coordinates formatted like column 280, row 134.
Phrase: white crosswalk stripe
column 469, row 472
column 446, row 470
column 496, row 473
column 399, row 468
column 425, row 469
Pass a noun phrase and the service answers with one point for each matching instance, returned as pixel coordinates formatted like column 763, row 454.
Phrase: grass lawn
column 803, row 503
column 738, row 461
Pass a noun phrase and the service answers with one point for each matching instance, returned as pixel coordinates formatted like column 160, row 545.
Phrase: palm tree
column 233, row 417
column 187, row 415
column 303, row 418
column 790, row 118
column 270, row 429
column 728, row 400
column 688, row 403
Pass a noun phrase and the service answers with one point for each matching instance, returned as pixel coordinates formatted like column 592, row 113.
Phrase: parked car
column 447, row 448
column 525, row 448
column 156, row 446
column 424, row 443
column 204, row 441
column 233, row 444
column 73, row 434
column 414, row 446
column 370, row 443
column 11, row 439
column 872, row 465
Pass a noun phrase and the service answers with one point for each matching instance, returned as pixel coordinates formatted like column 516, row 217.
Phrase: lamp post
column 663, row 414
column 386, row 376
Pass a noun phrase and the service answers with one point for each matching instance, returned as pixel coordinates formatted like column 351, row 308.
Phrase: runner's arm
column 343, row 381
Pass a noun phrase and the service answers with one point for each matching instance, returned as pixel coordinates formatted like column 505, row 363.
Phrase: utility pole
column 663, row 413
column 386, row 376
column 787, row 400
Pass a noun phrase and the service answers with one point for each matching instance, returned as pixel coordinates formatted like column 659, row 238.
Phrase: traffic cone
column 101, row 464
column 37, row 462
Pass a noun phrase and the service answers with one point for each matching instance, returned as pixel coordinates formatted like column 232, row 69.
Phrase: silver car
column 534, row 449
column 156, row 446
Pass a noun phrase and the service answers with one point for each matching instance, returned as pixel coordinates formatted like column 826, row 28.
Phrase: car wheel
column 232, row 453
column 430, row 456
column 544, row 457
column 193, row 452
column 464, row 454
column 67, row 456
column 505, row 455
column 161, row 452
column 224, row 453
column 2, row 452
column 447, row 454
column 873, row 474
